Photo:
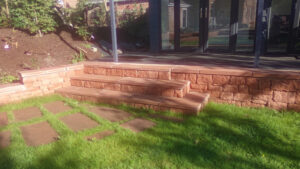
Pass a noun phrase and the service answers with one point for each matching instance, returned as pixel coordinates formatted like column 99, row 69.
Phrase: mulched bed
column 78, row 122
column 39, row 134
column 38, row 52
column 57, row 107
column 27, row 114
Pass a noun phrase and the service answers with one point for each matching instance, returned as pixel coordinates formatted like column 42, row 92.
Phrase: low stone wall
column 38, row 83
column 245, row 87
column 242, row 87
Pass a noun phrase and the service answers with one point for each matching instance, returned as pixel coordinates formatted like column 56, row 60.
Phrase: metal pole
column 259, row 40
column 113, row 30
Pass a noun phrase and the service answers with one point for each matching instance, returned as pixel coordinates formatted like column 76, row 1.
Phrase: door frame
column 204, row 9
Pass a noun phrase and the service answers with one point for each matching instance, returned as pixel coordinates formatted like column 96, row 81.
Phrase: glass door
column 189, row 23
column 279, row 25
column 219, row 24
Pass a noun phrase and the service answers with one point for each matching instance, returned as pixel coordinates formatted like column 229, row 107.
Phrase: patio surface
column 284, row 62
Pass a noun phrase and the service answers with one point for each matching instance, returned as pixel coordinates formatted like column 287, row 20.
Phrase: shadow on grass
column 222, row 140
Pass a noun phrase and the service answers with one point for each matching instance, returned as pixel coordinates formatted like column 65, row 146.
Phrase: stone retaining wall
column 243, row 87
column 35, row 83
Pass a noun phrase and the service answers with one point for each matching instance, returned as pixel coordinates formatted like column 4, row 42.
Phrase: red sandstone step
column 191, row 104
column 167, row 88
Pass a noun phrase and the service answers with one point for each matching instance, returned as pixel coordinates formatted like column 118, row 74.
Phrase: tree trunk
column 7, row 9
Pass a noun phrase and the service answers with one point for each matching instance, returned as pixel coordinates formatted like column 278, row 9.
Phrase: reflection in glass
column 167, row 24
column 246, row 27
column 189, row 23
column 279, row 25
column 219, row 21
column 296, row 26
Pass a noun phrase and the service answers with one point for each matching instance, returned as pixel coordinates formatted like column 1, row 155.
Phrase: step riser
column 156, row 91
column 147, row 74
column 136, row 105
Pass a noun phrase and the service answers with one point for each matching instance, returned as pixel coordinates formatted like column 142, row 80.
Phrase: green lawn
column 222, row 136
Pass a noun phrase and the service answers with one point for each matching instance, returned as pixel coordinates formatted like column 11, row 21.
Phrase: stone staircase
column 142, row 87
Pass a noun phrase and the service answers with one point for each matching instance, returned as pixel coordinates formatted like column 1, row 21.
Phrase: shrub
column 4, row 13
column 35, row 16
column 135, row 23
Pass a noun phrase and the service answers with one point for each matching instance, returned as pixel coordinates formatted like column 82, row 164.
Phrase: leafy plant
column 7, row 78
column 83, row 32
column 35, row 16
column 78, row 57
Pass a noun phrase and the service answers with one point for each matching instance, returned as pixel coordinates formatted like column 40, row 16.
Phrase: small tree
column 35, row 16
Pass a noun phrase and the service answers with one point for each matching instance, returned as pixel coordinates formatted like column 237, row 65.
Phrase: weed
column 78, row 57
column 7, row 78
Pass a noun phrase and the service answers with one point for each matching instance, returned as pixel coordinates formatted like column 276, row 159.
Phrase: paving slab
column 100, row 135
column 113, row 115
column 3, row 119
column 57, row 107
column 4, row 139
column 27, row 114
column 78, row 122
column 39, row 134
column 138, row 125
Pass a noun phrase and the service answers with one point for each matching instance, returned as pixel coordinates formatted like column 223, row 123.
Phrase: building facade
column 270, row 26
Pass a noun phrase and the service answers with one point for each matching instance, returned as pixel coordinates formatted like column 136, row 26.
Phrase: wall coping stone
column 12, row 88
column 46, row 71
column 211, row 70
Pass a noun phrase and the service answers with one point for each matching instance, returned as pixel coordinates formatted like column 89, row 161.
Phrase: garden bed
column 34, row 52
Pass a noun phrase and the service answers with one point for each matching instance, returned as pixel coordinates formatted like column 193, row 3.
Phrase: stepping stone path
column 57, row 107
column 113, row 115
column 100, row 135
column 138, row 125
column 38, row 134
column 3, row 119
column 78, row 122
column 27, row 114
column 4, row 139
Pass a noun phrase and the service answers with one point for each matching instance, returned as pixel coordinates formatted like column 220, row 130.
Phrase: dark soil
column 38, row 134
column 35, row 52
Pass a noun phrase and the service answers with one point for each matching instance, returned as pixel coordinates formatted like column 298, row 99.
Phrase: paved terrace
column 283, row 62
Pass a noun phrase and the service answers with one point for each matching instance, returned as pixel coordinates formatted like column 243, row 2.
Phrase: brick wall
column 251, row 88
column 242, row 87
column 38, row 83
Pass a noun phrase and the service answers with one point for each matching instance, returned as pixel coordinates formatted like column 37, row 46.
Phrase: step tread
column 192, row 101
column 171, row 84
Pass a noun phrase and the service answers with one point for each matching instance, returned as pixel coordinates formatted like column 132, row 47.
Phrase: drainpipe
column 113, row 31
